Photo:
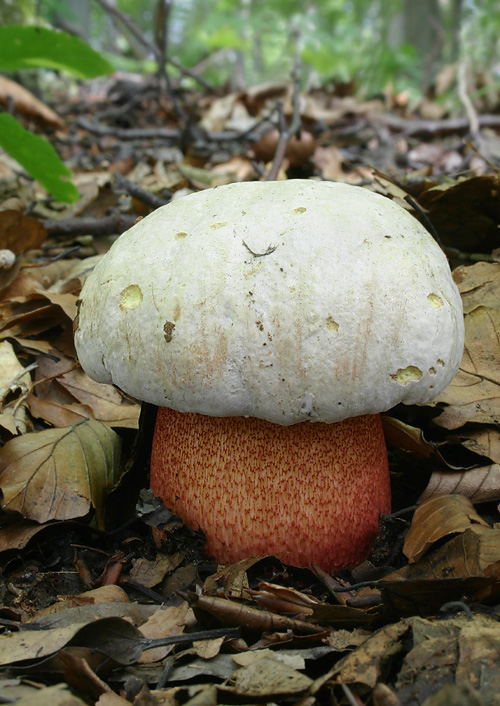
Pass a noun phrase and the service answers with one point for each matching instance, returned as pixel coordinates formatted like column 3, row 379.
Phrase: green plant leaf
column 37, row 47
column 38, row 157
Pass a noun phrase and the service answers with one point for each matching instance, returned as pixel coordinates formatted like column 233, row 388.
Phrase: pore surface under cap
column 287, row 301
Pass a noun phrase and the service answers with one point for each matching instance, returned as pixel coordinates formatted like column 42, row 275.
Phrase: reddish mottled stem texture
column 307, row 493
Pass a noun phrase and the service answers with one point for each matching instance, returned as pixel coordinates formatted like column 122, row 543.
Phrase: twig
column 269, row 251
column 165, row 8
column 287, row 133
column 465, row 99
column 110, row 225
column 430, row 128
column 123, row 185
column 131, row 134
column 127, row 22
column 427, row 221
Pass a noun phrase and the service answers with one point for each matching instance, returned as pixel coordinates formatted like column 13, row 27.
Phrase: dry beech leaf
column 478, row 484
column 69, row 391
column 58, row 415
column 484, row 441
column 96, row 596
column 436, row 518
column 479, row 285
column 51, row 274
column 14, row 387
column 479, row 645
column 406, row 437
column 18, row 534
column 26, row 103
column 34, row 644
column 469, row 555
column 111, row 699
column 366, row 663
column 474, row 393
column 88, row 612
column 266, row 678
column 151, row 573
column 60, row 473
column 165, row 622
column 20, row 233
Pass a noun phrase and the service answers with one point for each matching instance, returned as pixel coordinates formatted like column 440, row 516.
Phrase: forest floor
column 85, row 590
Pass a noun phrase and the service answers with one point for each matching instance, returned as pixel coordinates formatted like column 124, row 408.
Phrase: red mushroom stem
column 309, row 493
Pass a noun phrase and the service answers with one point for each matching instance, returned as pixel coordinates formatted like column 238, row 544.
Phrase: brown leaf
column 151, row 573
column 479, row 645
column 18, row 534
column 15, row 385
column 233, row 613
column 165, row 622
column 474, row 393
column 436, row 518
column 58, row 414
column 365, row 664
column 477, row 484
column 484, row 441
column 59, row 473
column 406, row 437
column 67, row 384
column 464, row 212
column 479, row 285
column 468, row 555
column 268, row 677
column 25, row 103
column 34, row 644
column 20, row 233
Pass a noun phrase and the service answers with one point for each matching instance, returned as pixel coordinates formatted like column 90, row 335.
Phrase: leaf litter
column 92, row 601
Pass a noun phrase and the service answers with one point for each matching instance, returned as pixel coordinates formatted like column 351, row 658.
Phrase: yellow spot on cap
column 216, row 226
column 406, row 375
column 435, row 300
column 130, row 297
column 180, row 235
column 299, row 210
column 332, row 325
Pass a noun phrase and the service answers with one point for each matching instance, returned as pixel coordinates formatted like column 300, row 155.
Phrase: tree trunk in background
column 423, row 29
column 75, row 19
column 456, row 18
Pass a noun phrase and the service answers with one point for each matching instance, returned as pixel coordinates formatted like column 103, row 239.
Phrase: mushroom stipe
column 307, row 493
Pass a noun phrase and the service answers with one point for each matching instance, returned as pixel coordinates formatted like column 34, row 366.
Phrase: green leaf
column 38, row 157
column 37, row 47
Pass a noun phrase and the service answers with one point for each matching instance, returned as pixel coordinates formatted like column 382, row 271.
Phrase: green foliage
column 38, row 157
column 36, row 47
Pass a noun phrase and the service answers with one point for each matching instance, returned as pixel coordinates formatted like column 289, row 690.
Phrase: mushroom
column 272, row 322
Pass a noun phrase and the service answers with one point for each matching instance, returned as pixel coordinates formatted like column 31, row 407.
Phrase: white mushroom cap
column 288, row 301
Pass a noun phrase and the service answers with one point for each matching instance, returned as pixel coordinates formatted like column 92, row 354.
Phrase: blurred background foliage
column 403, row 44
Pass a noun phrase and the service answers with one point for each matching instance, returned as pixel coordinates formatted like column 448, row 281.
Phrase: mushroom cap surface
column 287, row 301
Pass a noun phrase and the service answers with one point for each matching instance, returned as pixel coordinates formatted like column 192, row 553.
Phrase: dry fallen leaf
column 64, row 391
column 478, row 484
column 436, row 518
column 479, row 285
column 15, row 385
column 20, row 233
column 60, row 473
column 164, row 622
column 471, row 554
column 268, row 677
column 474, row 393
column 25, row 103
